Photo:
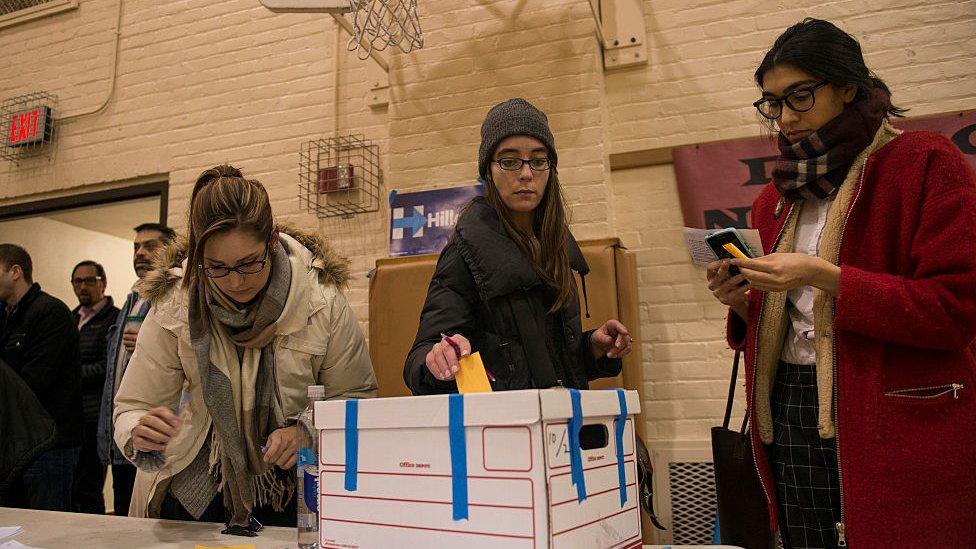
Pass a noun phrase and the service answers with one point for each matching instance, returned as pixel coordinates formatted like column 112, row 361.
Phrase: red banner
column 717, row 182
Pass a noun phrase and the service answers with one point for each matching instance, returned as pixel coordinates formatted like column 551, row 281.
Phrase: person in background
column 504, row 284
column 150, row 238
column 244, row 317
column 93, row 316
column 858, row 326
column 39, row 341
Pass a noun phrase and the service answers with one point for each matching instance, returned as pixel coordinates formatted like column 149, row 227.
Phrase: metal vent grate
column 693, row 504
column 10, row 6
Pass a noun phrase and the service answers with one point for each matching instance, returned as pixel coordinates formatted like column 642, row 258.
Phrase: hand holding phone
column 729, row 244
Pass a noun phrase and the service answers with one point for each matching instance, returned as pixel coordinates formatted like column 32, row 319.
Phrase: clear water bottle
column 307, row 468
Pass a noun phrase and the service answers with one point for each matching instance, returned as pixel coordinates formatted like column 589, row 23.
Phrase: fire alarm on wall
column 336, row 178
column 340, row 176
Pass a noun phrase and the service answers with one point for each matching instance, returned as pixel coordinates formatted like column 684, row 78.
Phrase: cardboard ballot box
column 405, row 472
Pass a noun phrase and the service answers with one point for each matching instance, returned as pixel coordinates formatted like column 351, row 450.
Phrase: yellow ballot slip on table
column 518, row 469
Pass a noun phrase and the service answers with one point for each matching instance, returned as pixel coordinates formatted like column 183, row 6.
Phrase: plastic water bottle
column 307, row 468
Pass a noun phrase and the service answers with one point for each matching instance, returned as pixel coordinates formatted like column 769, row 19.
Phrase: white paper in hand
column 701, row 252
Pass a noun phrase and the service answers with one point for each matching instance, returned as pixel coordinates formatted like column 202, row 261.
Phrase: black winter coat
column 93, row 349
column 26, row 429
column 39, row 341
column 485, row 289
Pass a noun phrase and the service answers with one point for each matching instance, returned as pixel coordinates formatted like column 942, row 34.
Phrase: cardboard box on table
column 398, row 287
column 519, row 477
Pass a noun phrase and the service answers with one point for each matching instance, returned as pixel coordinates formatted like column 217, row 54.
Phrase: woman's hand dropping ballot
column 442, row 360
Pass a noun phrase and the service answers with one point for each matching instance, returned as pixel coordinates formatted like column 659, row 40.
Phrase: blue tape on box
column 619, row 432
column 352, row 445
column 459, row 457
column 575, row 453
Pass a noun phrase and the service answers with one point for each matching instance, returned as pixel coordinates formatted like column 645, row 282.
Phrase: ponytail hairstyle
column 224, row 200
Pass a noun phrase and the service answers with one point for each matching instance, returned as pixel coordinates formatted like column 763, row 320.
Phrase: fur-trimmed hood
column 167, row 269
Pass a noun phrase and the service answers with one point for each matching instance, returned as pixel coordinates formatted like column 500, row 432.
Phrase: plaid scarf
column 239, row 388
column 817, row 165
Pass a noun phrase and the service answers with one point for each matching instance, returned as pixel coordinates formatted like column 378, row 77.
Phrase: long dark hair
column 546, row 248
column 822, row 50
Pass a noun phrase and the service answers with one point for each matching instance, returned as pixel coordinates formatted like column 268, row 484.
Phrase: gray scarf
column 241, row 397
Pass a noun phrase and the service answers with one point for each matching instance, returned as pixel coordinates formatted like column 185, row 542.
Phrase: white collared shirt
column 798, row 348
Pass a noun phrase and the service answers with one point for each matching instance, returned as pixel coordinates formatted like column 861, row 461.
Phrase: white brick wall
column 202, row 82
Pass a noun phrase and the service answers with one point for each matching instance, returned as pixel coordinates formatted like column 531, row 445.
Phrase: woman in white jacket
column 245, row 316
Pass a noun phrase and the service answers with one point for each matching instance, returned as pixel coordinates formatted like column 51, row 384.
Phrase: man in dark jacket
column 39, row 341
column 27, row 429
column 94, row 316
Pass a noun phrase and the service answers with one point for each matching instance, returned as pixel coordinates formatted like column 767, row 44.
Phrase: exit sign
column 30, row 127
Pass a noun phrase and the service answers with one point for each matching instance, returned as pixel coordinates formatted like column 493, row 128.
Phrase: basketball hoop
column 378, row 24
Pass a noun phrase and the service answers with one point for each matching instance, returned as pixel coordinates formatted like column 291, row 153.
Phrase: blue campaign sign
column 422, row 222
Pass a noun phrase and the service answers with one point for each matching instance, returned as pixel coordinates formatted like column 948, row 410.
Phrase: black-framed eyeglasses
column 511, row 164
column 798, row 100
column 87, row 281
column 249, row 268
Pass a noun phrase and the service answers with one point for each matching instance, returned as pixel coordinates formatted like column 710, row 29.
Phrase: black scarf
column 816, row 166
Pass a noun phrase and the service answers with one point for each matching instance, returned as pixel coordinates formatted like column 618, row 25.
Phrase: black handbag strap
column 728, row 404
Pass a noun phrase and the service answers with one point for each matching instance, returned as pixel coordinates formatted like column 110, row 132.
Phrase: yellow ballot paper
column 471, row 376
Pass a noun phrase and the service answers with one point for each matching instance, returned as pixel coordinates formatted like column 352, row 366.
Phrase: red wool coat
column 904, row 318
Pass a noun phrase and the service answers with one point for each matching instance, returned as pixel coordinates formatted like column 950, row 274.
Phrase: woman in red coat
column 858, row 325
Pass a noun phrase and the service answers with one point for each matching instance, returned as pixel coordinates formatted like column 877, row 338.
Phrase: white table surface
column 53, row 530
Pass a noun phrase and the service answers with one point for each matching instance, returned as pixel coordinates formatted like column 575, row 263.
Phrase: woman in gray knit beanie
column 504, row 285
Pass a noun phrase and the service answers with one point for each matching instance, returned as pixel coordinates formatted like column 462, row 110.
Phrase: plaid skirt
column 804, row 465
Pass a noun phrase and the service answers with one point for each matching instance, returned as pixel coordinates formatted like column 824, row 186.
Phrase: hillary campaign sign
column 717, row 182
column 422, row 222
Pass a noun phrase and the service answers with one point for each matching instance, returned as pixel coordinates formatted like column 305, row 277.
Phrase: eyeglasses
column 799, row 100
column 539, row 164
column 249, row 268
column 87, row 281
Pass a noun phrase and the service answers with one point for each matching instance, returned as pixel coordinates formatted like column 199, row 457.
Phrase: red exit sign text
column 29, row 127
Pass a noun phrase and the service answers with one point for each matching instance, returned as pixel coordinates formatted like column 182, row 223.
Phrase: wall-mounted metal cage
column 340, row 176
column 11, row 6
column 27, row 125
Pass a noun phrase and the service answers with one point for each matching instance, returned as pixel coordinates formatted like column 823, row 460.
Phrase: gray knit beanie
column 513, row 117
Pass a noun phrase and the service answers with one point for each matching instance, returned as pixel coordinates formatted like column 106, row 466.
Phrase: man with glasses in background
column 94, row 316
column 150, row 239
column 39, row 341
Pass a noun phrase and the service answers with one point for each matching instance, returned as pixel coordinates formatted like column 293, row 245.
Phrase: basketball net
column 379, row 24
